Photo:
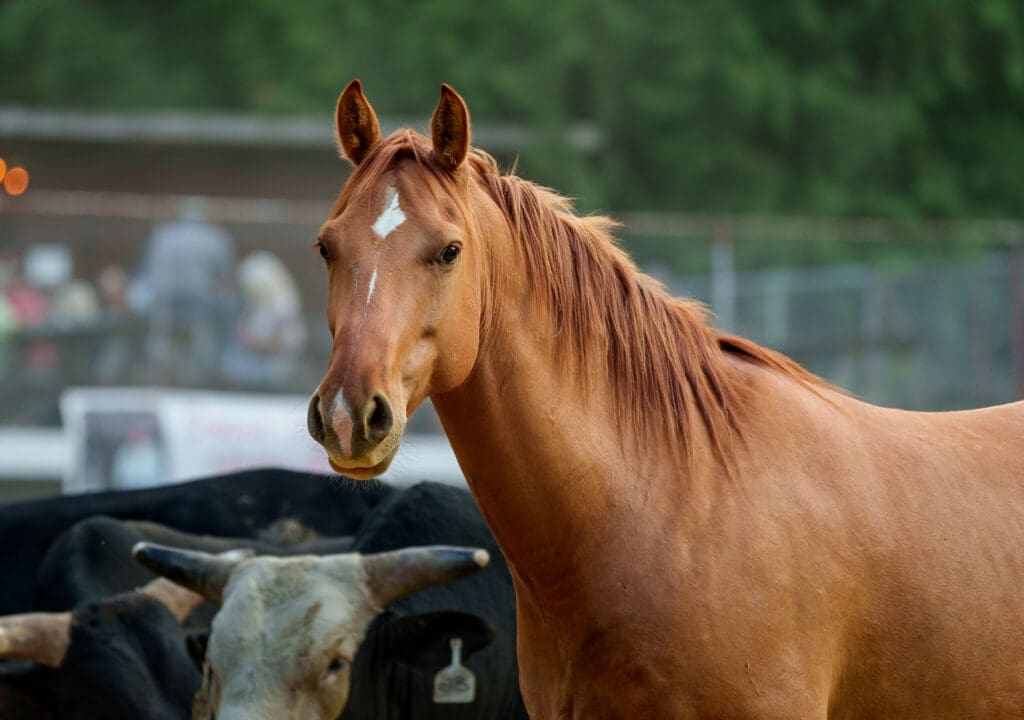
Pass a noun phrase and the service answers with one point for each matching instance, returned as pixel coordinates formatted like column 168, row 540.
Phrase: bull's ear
column 179, row 601
column 423, row 640
column 355, row 124
column 195, row 643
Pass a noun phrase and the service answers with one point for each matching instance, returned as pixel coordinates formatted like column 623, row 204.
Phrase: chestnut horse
column 697, row 527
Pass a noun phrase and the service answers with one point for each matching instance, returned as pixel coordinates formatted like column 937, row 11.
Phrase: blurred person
column 36, row 355
column 75, row 303
column 123, row 449
column 29, row 305
column 186, row 287
column 7, row 318
column 271, row 332
column 29, row 357
column 113, row 288
column 77, row 331
column 137, row 461
column 8, row 321
column 48, row 266
column 117, row 361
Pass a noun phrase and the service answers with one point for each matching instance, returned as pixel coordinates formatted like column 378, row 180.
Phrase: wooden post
column 723, row 277
column 870, row 354
column 1017, row 318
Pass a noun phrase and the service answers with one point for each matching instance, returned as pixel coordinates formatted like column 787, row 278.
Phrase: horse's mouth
column 357, row 471
column 369, row 464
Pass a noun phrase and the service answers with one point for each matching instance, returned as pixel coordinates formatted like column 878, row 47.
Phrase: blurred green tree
column 799, row 106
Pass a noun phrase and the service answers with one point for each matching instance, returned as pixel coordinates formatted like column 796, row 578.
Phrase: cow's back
column 239, row 504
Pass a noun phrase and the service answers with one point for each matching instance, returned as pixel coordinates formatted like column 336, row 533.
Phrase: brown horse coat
column 697, row 527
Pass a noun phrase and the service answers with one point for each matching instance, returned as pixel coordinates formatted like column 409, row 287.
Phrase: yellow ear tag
column 455, row 683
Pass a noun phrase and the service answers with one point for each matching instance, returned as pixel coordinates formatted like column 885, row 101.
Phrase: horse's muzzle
column 360, row 441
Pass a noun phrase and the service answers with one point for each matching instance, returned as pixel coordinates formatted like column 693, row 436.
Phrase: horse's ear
column 355, row 124
column 449, row 128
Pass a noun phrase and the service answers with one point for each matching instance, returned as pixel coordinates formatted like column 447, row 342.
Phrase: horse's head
column 404, row 301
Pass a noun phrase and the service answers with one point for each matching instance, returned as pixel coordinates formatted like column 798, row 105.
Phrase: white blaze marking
column 392, row 216
column 339, row 404
column 373, row 284
column 345, row 420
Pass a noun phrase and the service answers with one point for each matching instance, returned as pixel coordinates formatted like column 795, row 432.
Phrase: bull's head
column 285, row 638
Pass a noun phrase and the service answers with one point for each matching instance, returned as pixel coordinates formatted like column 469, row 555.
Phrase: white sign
column 137, row 437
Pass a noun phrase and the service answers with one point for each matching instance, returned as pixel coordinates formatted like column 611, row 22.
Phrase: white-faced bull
column 284, row 640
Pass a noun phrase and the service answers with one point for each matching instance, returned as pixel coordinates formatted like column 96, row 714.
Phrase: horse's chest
column 603, row 677
column 689, row 664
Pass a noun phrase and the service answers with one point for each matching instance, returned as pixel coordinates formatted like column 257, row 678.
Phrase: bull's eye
column 337, row 665
column 449, row 255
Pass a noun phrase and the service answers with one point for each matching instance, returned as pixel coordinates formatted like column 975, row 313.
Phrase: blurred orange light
column 16, row 180
column 3, row 169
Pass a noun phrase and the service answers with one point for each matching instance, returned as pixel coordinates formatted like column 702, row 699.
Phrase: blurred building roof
column 221, row 129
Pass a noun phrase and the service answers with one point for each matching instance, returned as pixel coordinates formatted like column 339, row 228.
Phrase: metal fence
column 938, row 336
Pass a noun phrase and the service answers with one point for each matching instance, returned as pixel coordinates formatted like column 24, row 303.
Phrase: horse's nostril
column 381, row 419
column 314, row 421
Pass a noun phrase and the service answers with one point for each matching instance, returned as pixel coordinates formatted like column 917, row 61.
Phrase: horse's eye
column 449, row 255
column 323, row 251
column 337, row 665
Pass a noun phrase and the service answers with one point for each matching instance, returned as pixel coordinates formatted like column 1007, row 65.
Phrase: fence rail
column 680, row 226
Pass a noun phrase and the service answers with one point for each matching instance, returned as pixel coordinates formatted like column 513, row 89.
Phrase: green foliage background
column 896, row 109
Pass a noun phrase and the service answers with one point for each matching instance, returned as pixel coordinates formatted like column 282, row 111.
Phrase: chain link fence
column 938, row 336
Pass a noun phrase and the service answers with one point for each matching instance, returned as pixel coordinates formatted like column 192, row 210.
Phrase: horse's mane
column 662, row 356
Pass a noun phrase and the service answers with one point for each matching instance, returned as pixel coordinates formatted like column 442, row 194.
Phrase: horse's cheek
column 456, row 357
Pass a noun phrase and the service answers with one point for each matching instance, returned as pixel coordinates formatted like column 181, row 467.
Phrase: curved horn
column 198, row 571
column 393, row 575
column 37, row 637
column 178, row 600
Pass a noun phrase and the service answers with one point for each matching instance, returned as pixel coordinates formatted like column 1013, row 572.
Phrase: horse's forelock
column 402, row 144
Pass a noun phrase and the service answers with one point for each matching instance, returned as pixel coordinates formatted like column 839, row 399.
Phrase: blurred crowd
column 190, row 314
column 212, row 317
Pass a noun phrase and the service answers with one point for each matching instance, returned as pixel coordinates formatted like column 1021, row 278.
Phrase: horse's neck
column 555, row 474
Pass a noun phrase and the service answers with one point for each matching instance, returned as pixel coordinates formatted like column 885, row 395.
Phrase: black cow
column 20, row 683
column 92, row 559
column 386, row 687
column 240, row 505
column 122, row 657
